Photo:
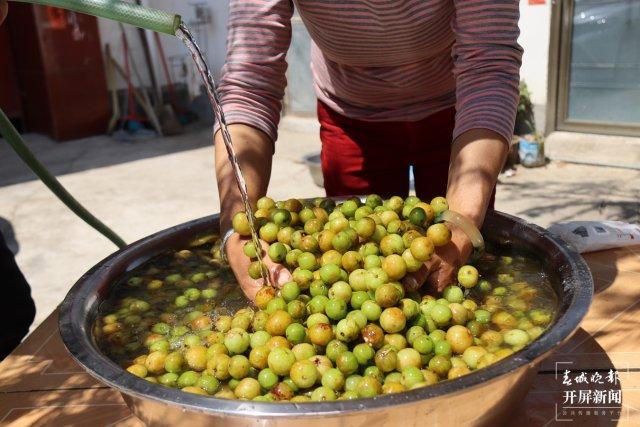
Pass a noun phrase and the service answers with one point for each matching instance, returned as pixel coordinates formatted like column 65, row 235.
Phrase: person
column 17, row 309
column 431, row 84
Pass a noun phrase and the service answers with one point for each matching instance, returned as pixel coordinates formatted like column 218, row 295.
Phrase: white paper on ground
column 589, row 236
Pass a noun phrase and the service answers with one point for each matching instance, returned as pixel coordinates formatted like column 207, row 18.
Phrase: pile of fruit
column 344, row 328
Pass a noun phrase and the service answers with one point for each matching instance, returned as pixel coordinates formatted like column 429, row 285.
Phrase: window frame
column 558, row 80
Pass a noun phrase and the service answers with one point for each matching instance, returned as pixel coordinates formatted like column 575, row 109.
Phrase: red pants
column 362, row 157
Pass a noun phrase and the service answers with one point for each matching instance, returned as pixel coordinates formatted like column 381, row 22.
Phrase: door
column 597, row 87
column 9, row 93
column 58, row 64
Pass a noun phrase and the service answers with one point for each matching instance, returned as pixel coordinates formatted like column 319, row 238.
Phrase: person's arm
column 254, row 151
column 251, row 92
column 477, row 157
column 487, row 61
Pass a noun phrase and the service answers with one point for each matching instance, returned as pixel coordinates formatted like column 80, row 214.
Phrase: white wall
column 534, row 38
column 211, row 38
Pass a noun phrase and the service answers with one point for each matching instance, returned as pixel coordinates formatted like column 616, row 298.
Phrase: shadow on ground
column 598, row 198
column 94, row 152
column 6, row 230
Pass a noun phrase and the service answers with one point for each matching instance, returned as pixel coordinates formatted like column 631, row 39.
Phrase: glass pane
column 605, row 61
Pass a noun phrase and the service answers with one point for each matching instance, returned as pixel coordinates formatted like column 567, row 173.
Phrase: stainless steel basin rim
column 78, row 313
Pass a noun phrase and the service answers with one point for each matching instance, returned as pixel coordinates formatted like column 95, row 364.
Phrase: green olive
column 278, row 322
column 322, row 394
column 439, row 234
column 351, row 260
column 369, row 387
column 280, row 360
column 439, row 205
column 373, row 335
column 320, row 334
column 441, row 314
column 240, row 224
column 387, row 295
column 515, row 337
column 386, row 359
column 187, row 379
column 237, row 340
column 303, row 351
column 304, row 374
column 472, row 354
column 138, row 370
column 347, row 363
column 468, row 276
column 376, row 277
column 295, row 333
column 239, row 366
column 277, row 252
column 347, row 330
column 422, row 248
column 395, row 267
column 247, row 388
column 392, row 320
column 440, row 365
column 460, row 338
column 258, row 357
column 330, row 273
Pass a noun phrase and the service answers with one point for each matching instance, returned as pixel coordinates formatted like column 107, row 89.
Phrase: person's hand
column 477, row 156
column 440, row 270
column 4, row 9
column 239, row 263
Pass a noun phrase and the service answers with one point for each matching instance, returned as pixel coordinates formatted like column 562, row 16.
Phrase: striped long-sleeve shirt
column 379, row 60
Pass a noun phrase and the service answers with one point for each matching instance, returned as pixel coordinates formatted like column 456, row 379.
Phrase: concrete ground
column 144, row 187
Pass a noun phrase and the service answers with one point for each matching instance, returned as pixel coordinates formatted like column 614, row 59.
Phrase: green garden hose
column 12, row 136
column 127, row 13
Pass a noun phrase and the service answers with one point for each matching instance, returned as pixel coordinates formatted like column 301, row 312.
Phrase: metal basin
column 484, row 397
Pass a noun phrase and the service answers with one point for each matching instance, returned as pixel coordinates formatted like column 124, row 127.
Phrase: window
column 597, row 86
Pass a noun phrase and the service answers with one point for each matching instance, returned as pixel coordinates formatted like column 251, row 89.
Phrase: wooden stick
column 111, row 85
column 146, row 106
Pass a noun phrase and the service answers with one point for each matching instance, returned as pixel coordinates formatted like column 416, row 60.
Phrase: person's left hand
column 439, row 272
column 4, row 9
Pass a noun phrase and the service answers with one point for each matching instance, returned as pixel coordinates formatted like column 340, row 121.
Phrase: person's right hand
column 239, row 263
column 4, row 9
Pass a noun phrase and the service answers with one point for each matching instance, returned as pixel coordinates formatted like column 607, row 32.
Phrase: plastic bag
column 589, row 236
